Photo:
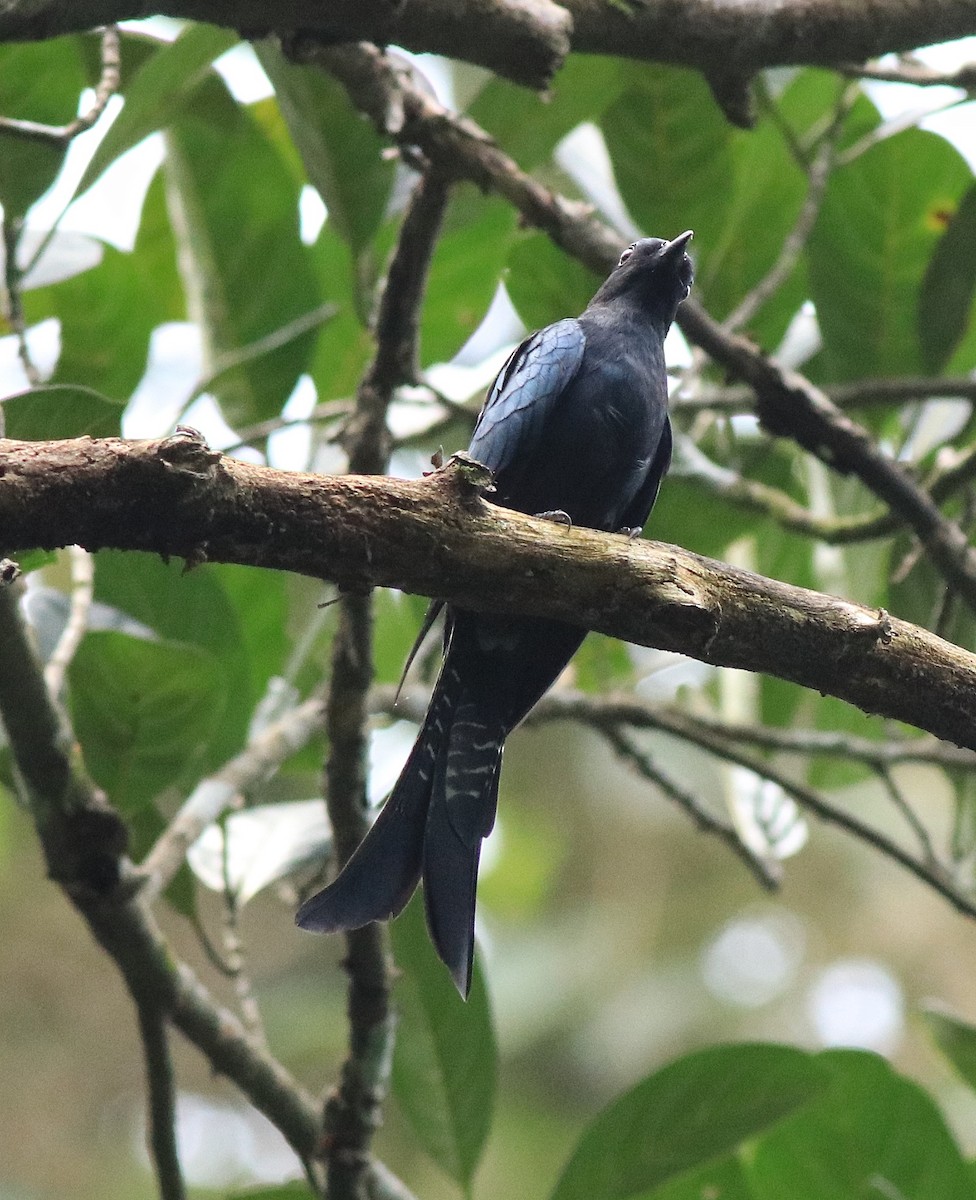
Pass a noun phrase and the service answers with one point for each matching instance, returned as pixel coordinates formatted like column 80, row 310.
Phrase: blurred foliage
column 594, row 913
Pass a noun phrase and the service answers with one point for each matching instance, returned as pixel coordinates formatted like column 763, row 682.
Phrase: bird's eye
column 627, row 253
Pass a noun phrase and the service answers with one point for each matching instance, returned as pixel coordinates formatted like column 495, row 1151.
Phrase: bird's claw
column 631, row 532
column 557, row 515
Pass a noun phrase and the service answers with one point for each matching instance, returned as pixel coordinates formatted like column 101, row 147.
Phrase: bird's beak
column 675, row 248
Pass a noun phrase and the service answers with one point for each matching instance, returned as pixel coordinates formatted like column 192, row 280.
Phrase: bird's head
column 654, row 273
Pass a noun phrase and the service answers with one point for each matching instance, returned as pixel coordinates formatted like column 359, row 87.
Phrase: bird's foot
column 631, row 532
column 557, row 516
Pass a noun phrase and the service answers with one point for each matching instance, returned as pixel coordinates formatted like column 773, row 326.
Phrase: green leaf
column 344, row 346
column 398, row 618
column 545, row 284
column 59, row 411
column 106, row 321
column 880, row 220
column 259, row 620
column 465, row 271
column 189, row 607
column 445, row 1060
column 158, row 91
column 156, row 251
column 957, row 1041
column 529, row 125
column 945, row 300
column 695, row 1110
column 766, row 192
column 342, row 154
column 107, row 314
column 671, row 150
column 144, row 712
column 244, row 265
column 723, row 1180
column 33, row 560
column 39, row 82
column 687, row 515
column 872, row 1133
column 282, row 1191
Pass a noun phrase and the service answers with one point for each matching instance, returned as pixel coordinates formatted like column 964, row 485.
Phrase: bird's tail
column 442, row 807
column 461, row 814
column 383, row 873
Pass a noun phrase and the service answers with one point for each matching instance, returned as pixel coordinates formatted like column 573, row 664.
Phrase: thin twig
column 82, row 593
column 764, row 871
column 910, row 69
column 321, row 414
column 773, row 502
column 899, row 800
column 235, row 959
column 953, row 470
column 669, row 718
column 737, row 398
column 13, row 228
column 161, row 1095
column 107, row 86
column 818, row 173
column 214, row 795
column 934, row 873
column 726, row 743
column 897, row 124
column 628, row 711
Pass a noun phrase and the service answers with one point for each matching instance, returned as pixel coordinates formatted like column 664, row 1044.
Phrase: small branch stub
column 466, row 478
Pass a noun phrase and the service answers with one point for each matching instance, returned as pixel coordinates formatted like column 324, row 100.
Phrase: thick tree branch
column 527, row 40
column 436, row 537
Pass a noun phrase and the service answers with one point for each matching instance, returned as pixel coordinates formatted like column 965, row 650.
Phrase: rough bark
column 527, row 40
column 438, row 537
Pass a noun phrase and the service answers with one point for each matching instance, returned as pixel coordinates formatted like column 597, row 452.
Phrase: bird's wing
column 640, row 507
column 510, row 424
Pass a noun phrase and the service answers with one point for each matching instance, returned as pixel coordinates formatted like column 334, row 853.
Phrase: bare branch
column 108, row 85
column 82, row 593
column 818, row 174
column 715, row 738
column 612, row 716
column 161, row 1114
column 214, row 795
column 912, row 70
column 861, row 392
column 628, row 711
column 236, row 964
column 527, row 40
column 791, row 406
column 911, row 817
column 766, row 873
column 436, row 537
column 12, row 228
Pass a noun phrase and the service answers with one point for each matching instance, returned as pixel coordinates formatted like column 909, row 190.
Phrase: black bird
column 575, row 426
